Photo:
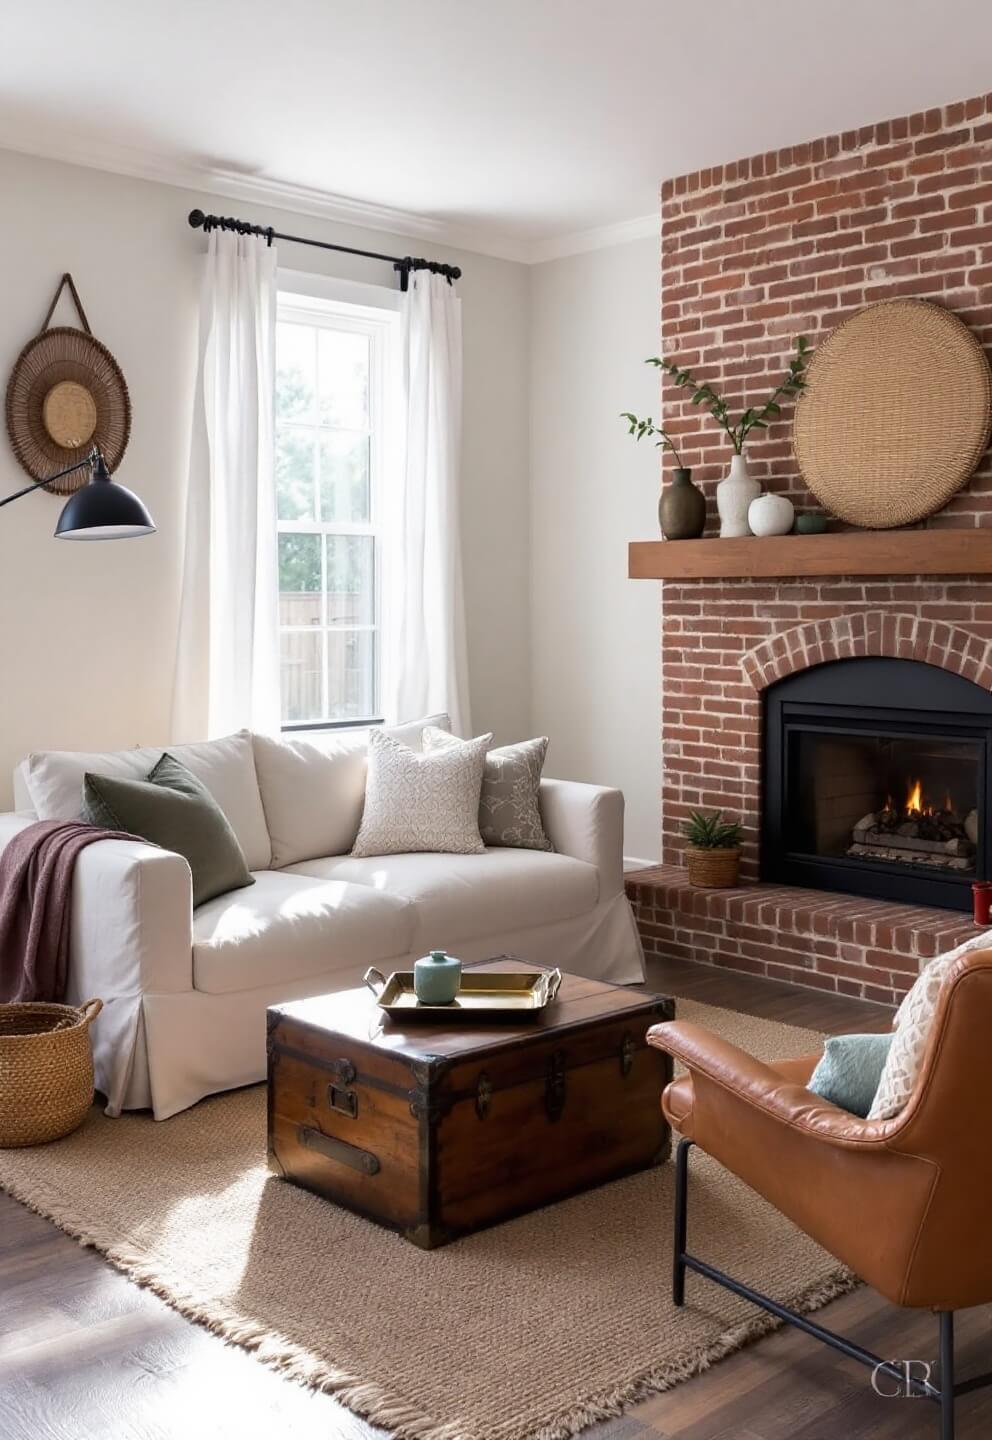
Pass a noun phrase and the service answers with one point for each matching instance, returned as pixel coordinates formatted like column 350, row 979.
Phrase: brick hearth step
column 854, row 946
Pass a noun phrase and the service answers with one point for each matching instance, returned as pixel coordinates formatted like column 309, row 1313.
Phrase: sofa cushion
column 313, row 790
column 463, row 896
column 291, row 927
column 226, row 767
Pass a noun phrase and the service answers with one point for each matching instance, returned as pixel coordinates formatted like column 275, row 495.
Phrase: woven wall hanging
column 66, row 393
column 896, row 415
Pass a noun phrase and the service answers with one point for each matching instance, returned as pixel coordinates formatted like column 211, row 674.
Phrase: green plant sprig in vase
column 682, row 505
column 756, row 417
column 737, row 490
column 714, row 851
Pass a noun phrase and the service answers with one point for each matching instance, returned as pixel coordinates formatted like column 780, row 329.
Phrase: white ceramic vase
column 733, row 498
column 771, row 515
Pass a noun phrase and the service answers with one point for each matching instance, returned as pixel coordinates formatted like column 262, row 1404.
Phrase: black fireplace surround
column 877, row 780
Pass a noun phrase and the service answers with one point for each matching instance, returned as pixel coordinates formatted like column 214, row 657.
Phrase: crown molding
column 191, row 174
column 602, row 237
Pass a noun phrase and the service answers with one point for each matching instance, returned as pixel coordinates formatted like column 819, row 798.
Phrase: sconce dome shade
column 103, row 510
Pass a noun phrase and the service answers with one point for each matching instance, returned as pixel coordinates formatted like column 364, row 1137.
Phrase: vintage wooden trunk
column 437, row 1130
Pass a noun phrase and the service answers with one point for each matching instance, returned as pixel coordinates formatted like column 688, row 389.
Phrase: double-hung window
column 332, row 419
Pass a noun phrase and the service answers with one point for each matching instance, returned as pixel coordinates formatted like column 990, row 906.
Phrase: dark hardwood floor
column 87, row 1355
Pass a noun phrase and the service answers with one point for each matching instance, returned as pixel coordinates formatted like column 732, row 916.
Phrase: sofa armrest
column 132, row 916
column 131, row 933
column 132, row 919
column 586, row 821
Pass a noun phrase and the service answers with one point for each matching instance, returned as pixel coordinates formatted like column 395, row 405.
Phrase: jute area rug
column 528, row 1331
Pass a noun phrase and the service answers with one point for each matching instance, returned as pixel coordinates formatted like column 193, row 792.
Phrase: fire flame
column 914, row 804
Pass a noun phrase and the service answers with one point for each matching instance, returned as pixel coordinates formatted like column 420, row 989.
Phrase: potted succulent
column 737, row 490
column 682, row 507
column 713, row 854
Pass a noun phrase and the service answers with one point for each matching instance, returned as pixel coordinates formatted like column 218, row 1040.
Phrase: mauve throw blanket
column 35, row 906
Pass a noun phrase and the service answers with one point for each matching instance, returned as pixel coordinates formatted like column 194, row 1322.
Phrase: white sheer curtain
column 425, row 669
column 227, row 671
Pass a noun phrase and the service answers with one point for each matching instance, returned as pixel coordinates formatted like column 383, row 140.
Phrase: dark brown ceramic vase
column 682, row 508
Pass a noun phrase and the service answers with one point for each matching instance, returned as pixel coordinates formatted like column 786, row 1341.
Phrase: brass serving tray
column 482, row 996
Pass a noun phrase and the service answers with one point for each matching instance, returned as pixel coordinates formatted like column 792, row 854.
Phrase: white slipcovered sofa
column 185, row 991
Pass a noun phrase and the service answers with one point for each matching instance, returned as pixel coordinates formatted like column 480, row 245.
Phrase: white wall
column 595, row 635
column 87, row 632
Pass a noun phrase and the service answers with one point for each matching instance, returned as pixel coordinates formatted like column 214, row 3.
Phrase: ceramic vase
column 733, row 498
column 436, row 978
column 682, row 508
column 771, row 515
column 812, row 523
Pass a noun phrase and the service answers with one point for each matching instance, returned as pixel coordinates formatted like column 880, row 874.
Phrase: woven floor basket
column 716, row 869
column 896, row 415
column 46, row 1070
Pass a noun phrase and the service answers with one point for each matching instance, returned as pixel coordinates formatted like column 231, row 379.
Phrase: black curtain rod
column 403, row 265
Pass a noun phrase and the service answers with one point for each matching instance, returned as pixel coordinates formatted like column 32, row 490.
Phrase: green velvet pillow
column 850, row 1070
column 175, row 810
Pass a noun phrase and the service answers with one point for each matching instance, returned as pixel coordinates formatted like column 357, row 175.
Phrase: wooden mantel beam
column 855, row 552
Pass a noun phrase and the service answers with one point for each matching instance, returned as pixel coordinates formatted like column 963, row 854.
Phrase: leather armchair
column 904, row 1203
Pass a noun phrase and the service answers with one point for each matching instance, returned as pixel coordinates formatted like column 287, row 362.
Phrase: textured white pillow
column 418, row 800
column 913, row 1023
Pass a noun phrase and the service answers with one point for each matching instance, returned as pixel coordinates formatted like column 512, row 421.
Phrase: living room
column 494, row 878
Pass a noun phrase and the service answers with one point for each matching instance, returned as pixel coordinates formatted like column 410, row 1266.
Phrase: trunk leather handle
column 339, row 1150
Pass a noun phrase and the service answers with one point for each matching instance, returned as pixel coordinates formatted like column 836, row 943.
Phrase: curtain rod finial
column 196, row 218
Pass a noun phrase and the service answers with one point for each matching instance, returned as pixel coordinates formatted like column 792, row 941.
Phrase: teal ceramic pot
column 812, row 523
column 682, row 508
column 436, row 978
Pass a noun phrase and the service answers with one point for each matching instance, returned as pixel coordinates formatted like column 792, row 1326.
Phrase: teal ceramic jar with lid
column 436, row 978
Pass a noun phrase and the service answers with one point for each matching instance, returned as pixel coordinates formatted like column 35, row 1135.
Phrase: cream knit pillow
column 912, row 1024
column 422, row 800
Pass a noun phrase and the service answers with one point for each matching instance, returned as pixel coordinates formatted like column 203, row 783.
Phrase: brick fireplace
column 754, row 253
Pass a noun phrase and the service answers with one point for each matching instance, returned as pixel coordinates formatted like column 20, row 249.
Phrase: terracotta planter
column 715, row 869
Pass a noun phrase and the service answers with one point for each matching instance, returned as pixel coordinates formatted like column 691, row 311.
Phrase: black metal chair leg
column 947, row 1375
column 681, row 1220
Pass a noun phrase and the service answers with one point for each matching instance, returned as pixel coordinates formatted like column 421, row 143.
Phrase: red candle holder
column 981, row 892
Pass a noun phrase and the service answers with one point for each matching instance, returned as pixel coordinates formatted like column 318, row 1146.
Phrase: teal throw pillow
column 175, row 810
column 850, row 1070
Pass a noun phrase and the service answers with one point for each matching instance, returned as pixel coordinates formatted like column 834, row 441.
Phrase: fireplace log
column 892, row 840
column 912, row 857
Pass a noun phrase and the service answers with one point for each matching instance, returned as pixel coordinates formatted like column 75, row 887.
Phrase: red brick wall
column 755, row 253
column 759, row 251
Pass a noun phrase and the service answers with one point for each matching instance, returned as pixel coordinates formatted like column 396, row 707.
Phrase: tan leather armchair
column 905, row 1203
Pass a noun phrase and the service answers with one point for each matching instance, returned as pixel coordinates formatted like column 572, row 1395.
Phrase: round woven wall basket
column 66, row 394
column 896, row 414
column 46, row 1070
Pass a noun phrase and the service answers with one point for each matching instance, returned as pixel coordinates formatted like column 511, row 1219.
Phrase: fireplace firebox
column 876, row 781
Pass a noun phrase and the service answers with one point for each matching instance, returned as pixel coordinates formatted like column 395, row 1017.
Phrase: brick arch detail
column 846, row 637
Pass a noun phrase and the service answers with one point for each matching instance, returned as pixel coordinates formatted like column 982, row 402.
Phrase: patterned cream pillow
column 509, row 808
column 913, row 1023
column 422, row 800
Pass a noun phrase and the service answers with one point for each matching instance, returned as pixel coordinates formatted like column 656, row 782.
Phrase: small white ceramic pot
column 771, row 515
column 733, row 496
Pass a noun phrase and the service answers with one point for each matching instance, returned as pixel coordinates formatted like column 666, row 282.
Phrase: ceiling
column 511, row 126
